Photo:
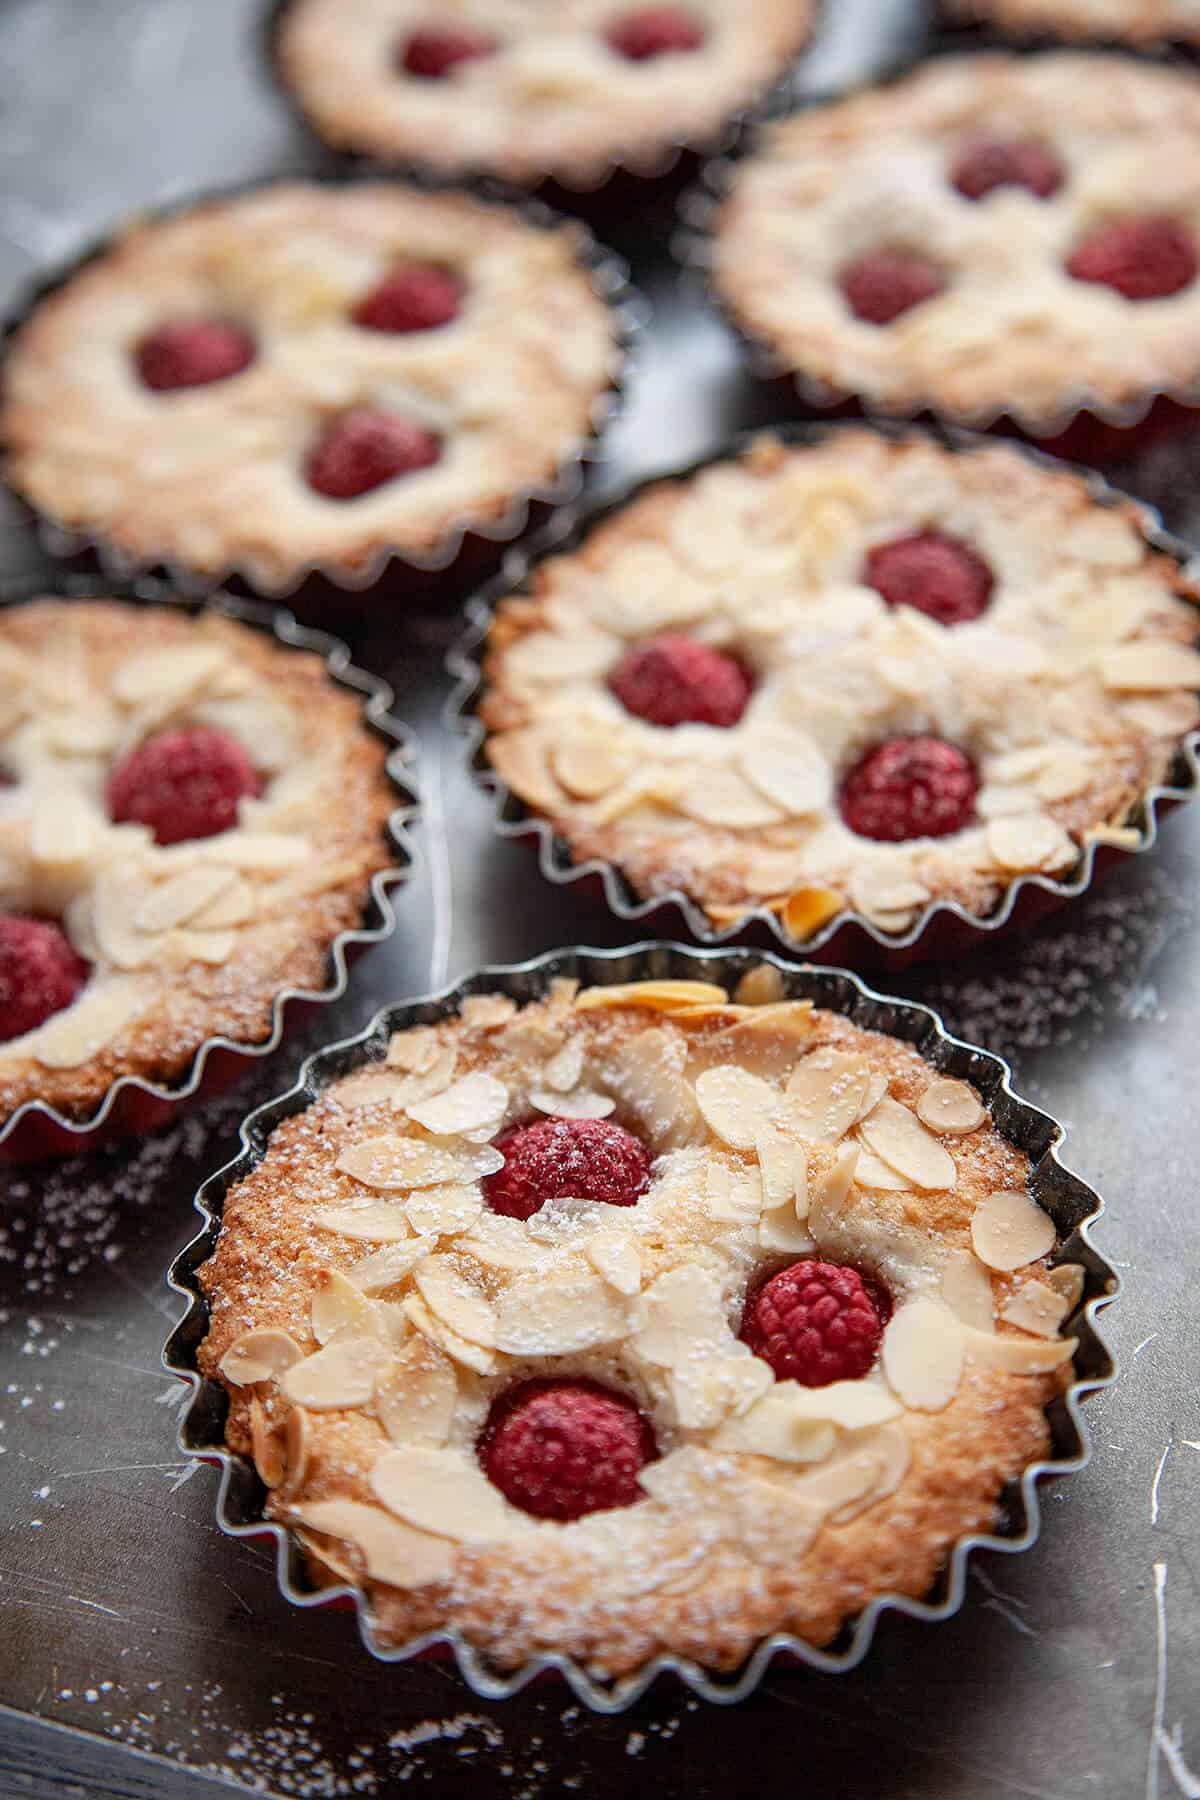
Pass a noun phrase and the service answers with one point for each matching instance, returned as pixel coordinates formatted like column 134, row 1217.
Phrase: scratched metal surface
column 134, row 1631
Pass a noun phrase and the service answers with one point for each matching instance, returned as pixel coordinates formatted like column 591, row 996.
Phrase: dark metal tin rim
column 1074, row 1206
column 609, row 275
column 513, row 820
column 659, row 160
column 379, row 919
column 699, row 205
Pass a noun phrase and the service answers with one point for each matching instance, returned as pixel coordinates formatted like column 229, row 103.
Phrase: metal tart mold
column 1085, row 426
column 598, row 182
column 134, row 1104
column 943, row 927
column 1072, row 1205
column 464, row 551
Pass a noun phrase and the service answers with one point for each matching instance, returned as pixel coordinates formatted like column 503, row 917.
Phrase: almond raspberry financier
column 636, row 1320
column 309, row 376
column 992, row 236
column 528, row 92
column 189, row 815
column 1125, row 21
column 861, row 672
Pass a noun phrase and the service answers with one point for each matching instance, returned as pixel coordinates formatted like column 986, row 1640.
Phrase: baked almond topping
column 743, row 1354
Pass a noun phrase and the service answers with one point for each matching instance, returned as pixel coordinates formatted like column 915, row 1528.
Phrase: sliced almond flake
column 376, row 1273
column 266, row 851
column 796, row 777
column 236, row 904
column 550, row 656
column 923, row 1354
column 877, row 892
column 517, row 1255
column 734, row 1104
column 1018, row 1355
column 844, row 1486
column 391, row 1552
column 994, row 802
column 658, row 996
column 773, row 1427
column 182, row 896
column 116, row 898
column 683, row 1317
column 1009, row 1230
column 850, row 1405
column 564, row 1070
column 62, row 826
column 615, row 1257
column 589, row 766
column 72, row 1037
column 655, row 787
column 416, row 1049
column 720, row 796
column 873, row 1172
column 1028, row 841
column 709, row 1389
column 444, row 1211
column 833, row 1192
column 441, row 1491
column 475, row 1103
column 423, row 1084
column 341, row 1309
column 374, row 1087
column 1036, row 1308
column 1170, row 715
column 266, row 1446
column 486, row 1012
column 558, row 1313
column 760, row 986
column 1068, row 1280
column 1149, row 665
column 416, row 1400
column 343, row 1374
column 897, row 1135
column 806, row 909
column 733, row 1196
column 780, row 1229
column 259, row 1354
column 297, row 1441
column 398, row 1162
column 784, row 1167
column 166, row 676
column 967, row 1290
column 519, row 759
column 877, row 1087
column 384, row 1222
column 1070, row 774
column 584, row 1103
column 646, row 1072
column 471, row 1356
column 825, row 1095
column 213, row 948
column 452, row 1299
column 951, row 1107
column 1121, row 837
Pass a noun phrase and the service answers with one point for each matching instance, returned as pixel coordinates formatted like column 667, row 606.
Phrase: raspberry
column 590, row 1159
column 996, row 162
column 559, row 1449
column 413, row 297
column 433, row 51
column 815, row 1323
column 1144, row 259
column 183, row 784
column 677, row 681
column 365, row 448
column 885, row 283
column 938, row 575
column 39, row 974
column 655, row 31
column 909, row 788
column 193, row 352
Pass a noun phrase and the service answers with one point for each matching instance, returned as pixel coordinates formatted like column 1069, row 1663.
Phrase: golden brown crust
column 838, row 671
column 213, row 477
column 1011, row 333
column 554, row 101
column 673, row 1573
column 332, row 834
